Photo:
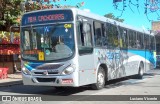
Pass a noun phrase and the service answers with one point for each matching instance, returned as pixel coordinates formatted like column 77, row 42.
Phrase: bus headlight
column 26, row 71
column 68, row 70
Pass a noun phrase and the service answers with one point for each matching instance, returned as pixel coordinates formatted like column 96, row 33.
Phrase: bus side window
column 98, row 33
column 115, row 36
column 84, row 35
column 132, row 38
column 104, row 35
column 138, row 41
column 87, row 36
column 146, row 41
column 109, row 36
column 112, row 35
column 124, row 38
column 152, row 44
column 142, row 40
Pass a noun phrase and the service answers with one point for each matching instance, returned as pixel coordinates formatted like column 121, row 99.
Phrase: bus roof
column 97, row 17
column 108, row 20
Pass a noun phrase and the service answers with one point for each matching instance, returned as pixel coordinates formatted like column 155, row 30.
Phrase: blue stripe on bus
column 30, row 65
column 148, row 55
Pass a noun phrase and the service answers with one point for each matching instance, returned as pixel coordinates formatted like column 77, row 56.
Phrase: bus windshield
column 47, row 42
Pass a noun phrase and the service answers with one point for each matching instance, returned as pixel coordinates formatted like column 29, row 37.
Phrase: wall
column 156, row 25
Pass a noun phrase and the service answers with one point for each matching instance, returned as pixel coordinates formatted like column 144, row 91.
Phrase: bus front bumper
column 49, row 80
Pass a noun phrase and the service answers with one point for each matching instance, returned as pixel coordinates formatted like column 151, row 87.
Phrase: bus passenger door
column 85, row 52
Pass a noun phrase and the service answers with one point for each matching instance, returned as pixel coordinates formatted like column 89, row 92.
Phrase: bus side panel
column 133, row 62
column 145, row 56
column 87, row 73
column 151, row 57
column 114, row 60
column 121, row 63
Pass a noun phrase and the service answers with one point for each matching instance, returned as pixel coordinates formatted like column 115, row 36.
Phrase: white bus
column 72, row 47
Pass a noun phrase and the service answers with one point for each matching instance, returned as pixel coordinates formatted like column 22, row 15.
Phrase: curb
column 7, row 84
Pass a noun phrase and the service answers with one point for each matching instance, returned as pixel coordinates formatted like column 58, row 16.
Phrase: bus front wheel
column 100, row 79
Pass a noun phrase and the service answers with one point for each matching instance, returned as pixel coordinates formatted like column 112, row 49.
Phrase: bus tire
column 140, row 71
column 100, row 79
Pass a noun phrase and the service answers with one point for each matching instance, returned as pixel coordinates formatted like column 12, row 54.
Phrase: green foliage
column 41, row 4
column 111, row 16
column 9, row 12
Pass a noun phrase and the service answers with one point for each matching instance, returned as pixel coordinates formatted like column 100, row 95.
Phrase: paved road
column 149, row 85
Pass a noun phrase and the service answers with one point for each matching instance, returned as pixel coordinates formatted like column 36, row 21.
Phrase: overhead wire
column 150, row 6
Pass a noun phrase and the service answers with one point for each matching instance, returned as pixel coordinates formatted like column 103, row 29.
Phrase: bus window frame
column 122, row 29
column 111, row 42
column 81, row 20
column 101, row 33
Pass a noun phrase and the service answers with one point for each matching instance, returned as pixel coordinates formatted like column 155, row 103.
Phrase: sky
column 133, row 17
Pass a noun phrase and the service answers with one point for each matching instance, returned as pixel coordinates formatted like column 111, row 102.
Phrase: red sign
column 46, row 18
column 50, row 16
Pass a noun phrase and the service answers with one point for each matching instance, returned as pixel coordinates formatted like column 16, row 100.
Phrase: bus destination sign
column 47, row 17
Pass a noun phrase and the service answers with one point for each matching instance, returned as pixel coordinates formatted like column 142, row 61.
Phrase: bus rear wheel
column 100, row 79
column 140, row 72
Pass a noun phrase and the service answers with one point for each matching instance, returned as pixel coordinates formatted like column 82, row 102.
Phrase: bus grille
column 48, row 67
column 46, row 79
column 41, row 73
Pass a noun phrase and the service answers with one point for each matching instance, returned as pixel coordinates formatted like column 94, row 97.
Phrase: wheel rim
column 100, row 79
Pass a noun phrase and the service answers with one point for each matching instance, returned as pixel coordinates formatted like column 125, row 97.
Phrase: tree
column 111, row 16
column 31, row 5
column 9, row 12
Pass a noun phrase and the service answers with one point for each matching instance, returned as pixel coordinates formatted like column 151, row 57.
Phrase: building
column 156, row 27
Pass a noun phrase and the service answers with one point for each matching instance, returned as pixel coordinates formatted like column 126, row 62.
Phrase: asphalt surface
column 116, row 90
